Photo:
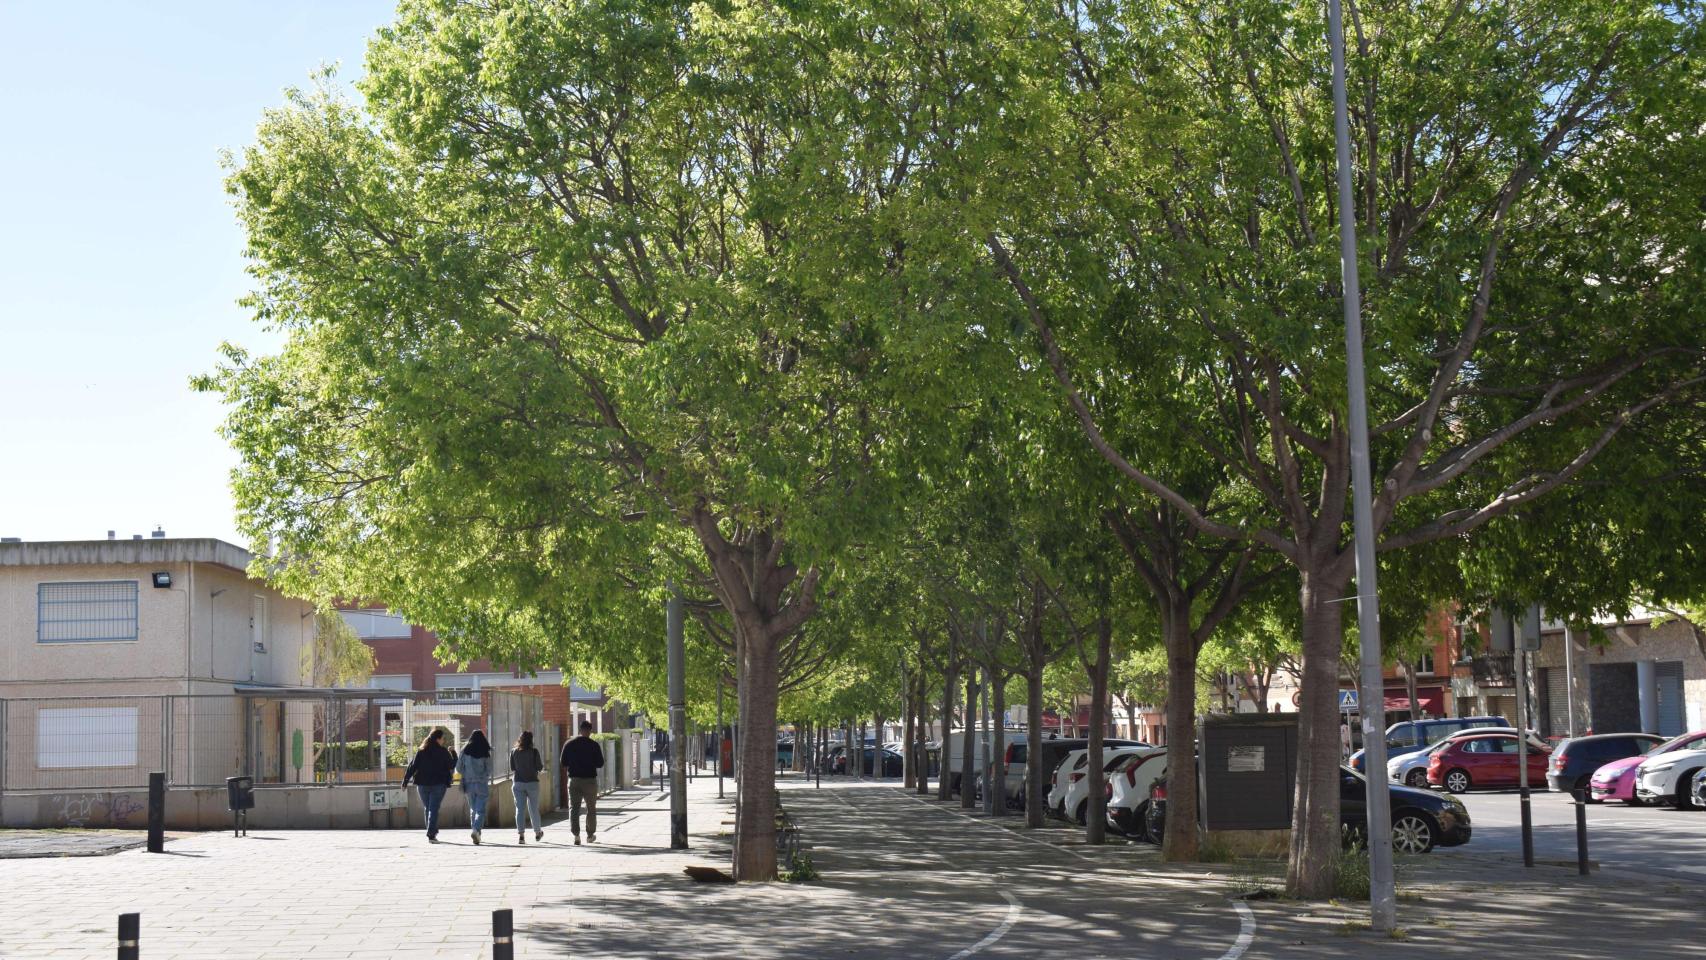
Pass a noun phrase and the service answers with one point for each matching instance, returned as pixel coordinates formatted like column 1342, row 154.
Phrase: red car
column 1487, row 760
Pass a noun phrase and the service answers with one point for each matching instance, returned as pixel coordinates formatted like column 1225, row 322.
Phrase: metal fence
column 77, row 743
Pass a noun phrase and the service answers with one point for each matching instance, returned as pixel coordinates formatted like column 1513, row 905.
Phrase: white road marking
column 1246, row 931
column 1013, row 911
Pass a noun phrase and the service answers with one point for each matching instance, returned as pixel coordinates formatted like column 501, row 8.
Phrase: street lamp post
column 677, row 664
column 1381, row 894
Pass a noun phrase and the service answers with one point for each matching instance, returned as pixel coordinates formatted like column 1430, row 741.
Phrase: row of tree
column 903, row 333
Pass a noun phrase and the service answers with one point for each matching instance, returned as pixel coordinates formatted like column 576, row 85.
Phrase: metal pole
column 1382, row 899
column 677, row 723
column 1581, row 831
column 1522, row 754
column 720, row 733
column 157, row 812
column 1570, row 679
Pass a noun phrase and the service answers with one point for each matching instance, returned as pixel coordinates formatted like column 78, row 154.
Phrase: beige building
column 120, row 657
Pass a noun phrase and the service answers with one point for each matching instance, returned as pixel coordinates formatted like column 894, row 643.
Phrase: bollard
column 129, row 933
column 1582, row 832
column 503, row 935
column 1527, row 831
column 156, row 813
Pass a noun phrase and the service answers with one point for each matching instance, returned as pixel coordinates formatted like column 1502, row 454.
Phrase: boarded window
column 86, row 737
column 86, row 612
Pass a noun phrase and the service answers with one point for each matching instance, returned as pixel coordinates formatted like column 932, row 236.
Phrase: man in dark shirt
column 582, row 759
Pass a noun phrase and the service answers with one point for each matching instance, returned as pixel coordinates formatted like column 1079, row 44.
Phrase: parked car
column 1075, row 799
column 1128, row 789
column 1575, row 760
column 1155, row 812
column 955, row 746
column 1066, row 758
column 1483, row 760
column 893, row 765
column 1415, row 736
column 1669, row 777
column 1421, row 819
column 1411, row 769
column 1616, row 780
column 1053, row 752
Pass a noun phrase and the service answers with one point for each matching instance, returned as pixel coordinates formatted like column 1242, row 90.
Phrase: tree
column 1526, row 298
column 563, row 323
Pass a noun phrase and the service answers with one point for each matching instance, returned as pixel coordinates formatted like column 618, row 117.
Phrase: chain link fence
column 101, row 743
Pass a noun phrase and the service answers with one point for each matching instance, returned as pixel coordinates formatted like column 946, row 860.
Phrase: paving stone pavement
column 902, row 877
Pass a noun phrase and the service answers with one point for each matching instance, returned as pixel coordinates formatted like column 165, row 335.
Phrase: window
column 1441, row 731
column 1425, row 665
column 86, row 737
column 86, row 612
column 391, row 681
column 375, row 624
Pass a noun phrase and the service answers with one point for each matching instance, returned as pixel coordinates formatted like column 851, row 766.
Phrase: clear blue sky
column 120, row 259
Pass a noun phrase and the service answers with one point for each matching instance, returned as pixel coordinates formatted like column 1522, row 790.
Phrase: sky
column 121, row 261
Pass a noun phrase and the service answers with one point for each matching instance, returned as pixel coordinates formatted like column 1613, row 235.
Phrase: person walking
column 431, row 770
column 475, row 767
column 525, row 765
column 582, row 759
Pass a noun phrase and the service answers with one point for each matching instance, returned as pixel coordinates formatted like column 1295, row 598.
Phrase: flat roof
column 149, row 550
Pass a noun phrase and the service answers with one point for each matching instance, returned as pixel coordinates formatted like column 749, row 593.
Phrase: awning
column 1432, row 701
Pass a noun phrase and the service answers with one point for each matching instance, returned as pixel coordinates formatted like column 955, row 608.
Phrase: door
column 1669, row 674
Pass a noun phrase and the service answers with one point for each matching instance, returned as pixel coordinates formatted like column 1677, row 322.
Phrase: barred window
column 86, row 612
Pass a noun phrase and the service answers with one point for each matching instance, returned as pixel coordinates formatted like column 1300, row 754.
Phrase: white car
column 1131, row 778
column 1667, row 777
column 1411, row 769
column 1075, row 794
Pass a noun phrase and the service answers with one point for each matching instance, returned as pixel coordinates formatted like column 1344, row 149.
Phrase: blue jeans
column 477, row 794
column 526, row 804
column 432, row 794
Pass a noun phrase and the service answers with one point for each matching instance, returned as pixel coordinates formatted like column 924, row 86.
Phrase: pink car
column 1616, row 780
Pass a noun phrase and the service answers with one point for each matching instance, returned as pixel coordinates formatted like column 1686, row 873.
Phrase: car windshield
column 1684, row 742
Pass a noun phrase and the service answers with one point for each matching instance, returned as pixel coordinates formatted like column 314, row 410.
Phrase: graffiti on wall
column 93, row 809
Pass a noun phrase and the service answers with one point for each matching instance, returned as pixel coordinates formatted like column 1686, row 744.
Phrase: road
column 1659, row 841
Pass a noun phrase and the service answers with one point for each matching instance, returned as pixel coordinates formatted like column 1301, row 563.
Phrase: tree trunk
column 1315, row 836
column 755, row 817
column 968, row 744
column 908, row 717
column 1179, row 835
column 950, row 686
column 921, row 737
column 1410, row 690
column 1035, row 792
column 998, row 713
column 1096, row 810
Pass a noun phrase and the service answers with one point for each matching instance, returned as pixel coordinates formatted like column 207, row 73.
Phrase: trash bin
column 239, row 799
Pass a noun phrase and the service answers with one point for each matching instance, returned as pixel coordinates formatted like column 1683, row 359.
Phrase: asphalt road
column 1660, row 841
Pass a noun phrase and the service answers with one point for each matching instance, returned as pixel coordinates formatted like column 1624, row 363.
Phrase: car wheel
column 1416, row 778
column 1584, row 787
column 1413, row 833
column 1684, row 800
column 1457, row 781
column 1079, row 816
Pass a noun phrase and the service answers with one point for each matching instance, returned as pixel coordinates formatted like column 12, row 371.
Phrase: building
column 120, row 657
column 405, row 658
column 1647, row 675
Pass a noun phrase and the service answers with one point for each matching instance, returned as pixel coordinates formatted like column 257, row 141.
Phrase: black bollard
column 1527, row 831
column 1582, row 832
column 129, row 933
column 156, row 813
column 503, row 935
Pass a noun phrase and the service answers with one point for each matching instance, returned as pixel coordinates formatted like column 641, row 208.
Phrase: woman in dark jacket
column 525, row 765
column 431, row 770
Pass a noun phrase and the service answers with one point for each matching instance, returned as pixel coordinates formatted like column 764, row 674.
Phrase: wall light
column 162, row 579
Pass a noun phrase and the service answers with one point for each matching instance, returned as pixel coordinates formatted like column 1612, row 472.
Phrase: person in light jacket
column 475, row 768
column 431, row 770
column 525, row 764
